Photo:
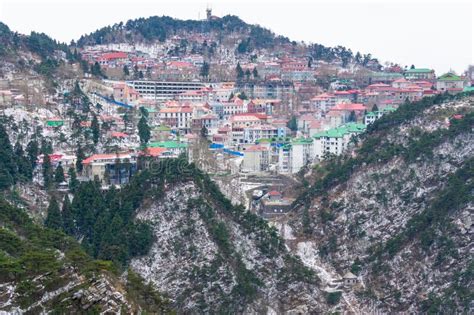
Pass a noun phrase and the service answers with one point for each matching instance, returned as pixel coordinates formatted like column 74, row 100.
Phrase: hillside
column 211, row 256
column 157, row 28
column 398, row 212
column 43, row 270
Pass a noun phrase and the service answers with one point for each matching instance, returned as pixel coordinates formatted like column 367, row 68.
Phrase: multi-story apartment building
column 164, row 90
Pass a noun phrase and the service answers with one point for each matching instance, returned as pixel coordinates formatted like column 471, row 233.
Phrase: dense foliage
column 161, row 28
column 376, row 149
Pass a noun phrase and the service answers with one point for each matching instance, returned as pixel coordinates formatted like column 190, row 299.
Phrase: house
column 177, row 117
column 256, row 159
column 335, row 141
column 420, row 74
column 125, row 94
column 173, row 147
column 274, row 204
column 110, row 169
column 450, row 83
column 349, row 279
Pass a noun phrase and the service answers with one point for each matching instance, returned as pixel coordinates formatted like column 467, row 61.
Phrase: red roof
column 256, row 148
column 114, row 55
column 274, row 193
column 117, row 134
column 94, row 157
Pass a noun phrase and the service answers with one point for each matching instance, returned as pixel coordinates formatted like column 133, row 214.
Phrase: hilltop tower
column 208, row 13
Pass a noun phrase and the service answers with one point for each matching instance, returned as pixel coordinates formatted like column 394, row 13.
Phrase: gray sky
column 436, row 34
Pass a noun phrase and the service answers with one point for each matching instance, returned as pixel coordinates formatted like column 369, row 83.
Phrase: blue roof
column 236, row 153
column 216, row 146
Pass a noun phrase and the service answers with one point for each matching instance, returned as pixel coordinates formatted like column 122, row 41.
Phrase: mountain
column 157, row 28
column 228, row 31
column 398, row 210
column 43, row 270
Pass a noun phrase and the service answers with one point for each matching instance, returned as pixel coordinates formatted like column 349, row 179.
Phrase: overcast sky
column 427, row 33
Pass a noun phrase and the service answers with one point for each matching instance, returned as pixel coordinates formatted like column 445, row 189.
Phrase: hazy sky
column 436, row 34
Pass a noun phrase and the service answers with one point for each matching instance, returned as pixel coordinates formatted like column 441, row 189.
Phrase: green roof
column 354, row 127
column 54, row 123
column 386, row 75
column 302, row 141
column 389, row 109
column 339, row 132
column 370, row 114
column 449, row 77
column 419, row 70
column 150, row 110
column 468, row 89
column 162, row 128
column 168, row 145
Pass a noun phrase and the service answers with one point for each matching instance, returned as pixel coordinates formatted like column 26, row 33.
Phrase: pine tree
column 248, row 74
column 59, row 174
column 239, row 71
column 24, row 166
column 73, row 182
column 352, row 117
column 53, row 219
column 126, row 72
column 7, row 160
column 47, row 171
column 33, row 150
column 255, row 73
column 80, row 156
column 67, row 217
column 375, row 108
column 144, row 130
column 95, row 129
column 204, row 70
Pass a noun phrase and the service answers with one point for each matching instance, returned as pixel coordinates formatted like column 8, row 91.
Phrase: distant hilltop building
column 209, row 15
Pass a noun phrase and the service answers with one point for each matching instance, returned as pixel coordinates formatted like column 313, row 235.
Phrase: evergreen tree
column 95, row 129
column 53, row 219
column 352, row 117
column 239, row 71
column 7, row 160
column 375, row 108
column 80, row 156
column 67, row 217
column 73, row 182
column 33, row 150
column 204, row 70
column 144, row 130
column 248, row 74
column 242, row 96
column 255, row 73
column 24, row 166
column 59, row 174
column 97, row 70
column 126, row 72
column 47, row 171
column 46, row 147
column 292, row 124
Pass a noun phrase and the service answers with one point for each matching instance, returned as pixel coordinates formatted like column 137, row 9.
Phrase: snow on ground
column 309, row 256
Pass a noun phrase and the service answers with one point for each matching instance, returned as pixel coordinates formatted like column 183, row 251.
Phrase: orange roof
column 154, row 152
column 94, row 157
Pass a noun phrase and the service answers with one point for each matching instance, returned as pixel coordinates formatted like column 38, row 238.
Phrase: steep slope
column 214, row 257
column 398, row 212
column 42, row 270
